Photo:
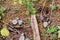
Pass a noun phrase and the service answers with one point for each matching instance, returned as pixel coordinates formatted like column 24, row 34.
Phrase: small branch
column 43, row 7
column 34, row 26
column 51, row 9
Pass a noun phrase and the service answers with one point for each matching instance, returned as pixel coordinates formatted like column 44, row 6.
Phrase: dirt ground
column 11, row 14
column 54, row 17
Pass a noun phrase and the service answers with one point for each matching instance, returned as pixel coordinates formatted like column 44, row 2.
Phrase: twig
column 35, row 27
column 43, row 7
column 51, row 10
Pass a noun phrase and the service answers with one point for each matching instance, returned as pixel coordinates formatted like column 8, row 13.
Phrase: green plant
column 15, row 2
column 52, row 29
column 1, row 0
column 58, row 33
column 31, row 7
column 58, row 27
column 27, row 12
column 29, row 20
column 33, row 10
column 2, row 12
column 20, row 2
column 54, row 7
column 2, row 9
column 29, row 4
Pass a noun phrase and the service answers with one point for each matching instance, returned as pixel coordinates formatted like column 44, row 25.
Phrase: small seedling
column 27, row 12
column 59, row 34
column 58, row 27
column 20, row 2
column 29, row 4
column 33, row 11
column 54, row 7
column 15, row 2
column 2, row 9
column 1, row 0
column 29, row 20
column 58, row 31
column 2, row 12
column 31, row 7
column 52, row 29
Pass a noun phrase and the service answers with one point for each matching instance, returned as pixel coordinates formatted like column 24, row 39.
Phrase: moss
column 4, row 32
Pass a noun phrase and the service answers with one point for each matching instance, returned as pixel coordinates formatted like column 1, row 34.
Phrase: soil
column 11, row 14
column 18, row 11
column 53, row 16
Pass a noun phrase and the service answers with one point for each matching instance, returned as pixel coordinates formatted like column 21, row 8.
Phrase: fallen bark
column 34, row 26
